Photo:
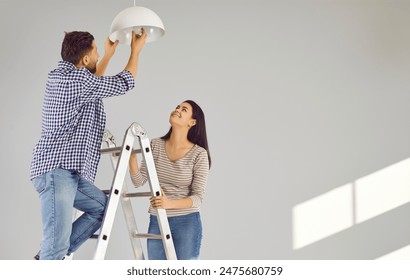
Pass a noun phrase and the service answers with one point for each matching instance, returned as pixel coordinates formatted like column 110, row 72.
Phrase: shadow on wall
column 365, row 219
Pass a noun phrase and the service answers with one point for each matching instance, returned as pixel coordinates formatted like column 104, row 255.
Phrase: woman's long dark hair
column 197, row 133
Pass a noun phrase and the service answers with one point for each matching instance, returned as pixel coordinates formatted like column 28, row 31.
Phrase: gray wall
column 300, row 97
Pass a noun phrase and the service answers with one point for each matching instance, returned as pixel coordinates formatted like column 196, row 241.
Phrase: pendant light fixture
column 135, row 18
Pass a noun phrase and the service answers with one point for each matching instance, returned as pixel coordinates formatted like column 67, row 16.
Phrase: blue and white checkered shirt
column 73, row 119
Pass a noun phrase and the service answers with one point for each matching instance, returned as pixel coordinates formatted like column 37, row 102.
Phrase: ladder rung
column 137, row 194
column 134, row 194
column 146, row 235
column 116, row 151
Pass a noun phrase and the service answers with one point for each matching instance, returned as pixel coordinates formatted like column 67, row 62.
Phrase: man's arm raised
column 109, row 48
column 137, row 42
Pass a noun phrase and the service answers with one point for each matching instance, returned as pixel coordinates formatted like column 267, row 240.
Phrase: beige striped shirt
column 185, row 177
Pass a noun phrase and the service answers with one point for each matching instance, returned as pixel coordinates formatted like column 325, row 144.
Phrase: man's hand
column 138, row 41
column 110, row 47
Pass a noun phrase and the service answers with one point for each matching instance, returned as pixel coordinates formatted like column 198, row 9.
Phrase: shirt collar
column 66, row 64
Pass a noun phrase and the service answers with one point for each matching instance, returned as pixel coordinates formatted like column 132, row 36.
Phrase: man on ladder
column 65, row 159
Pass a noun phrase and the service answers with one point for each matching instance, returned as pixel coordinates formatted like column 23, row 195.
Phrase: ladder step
column 133, row 194
column 146, row 235
column 116, row 151
column 136, row 235
column 137, row 194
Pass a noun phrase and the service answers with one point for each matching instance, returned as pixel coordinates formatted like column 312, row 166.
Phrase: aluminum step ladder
column 119, row 193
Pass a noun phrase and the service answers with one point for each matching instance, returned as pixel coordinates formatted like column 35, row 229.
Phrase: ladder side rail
column 114, row 196
column 126, row 204
column 156, row 191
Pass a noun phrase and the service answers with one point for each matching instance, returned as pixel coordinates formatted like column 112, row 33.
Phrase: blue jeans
column 59, row 191
column 186, row 231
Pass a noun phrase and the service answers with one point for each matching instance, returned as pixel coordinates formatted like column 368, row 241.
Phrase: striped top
column 185, row 177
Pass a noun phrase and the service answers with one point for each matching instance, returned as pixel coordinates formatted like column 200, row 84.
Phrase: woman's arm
column 138, row 176
column 162, row 201
column 133, row 164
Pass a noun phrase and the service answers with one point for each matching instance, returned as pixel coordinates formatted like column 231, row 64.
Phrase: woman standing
column 182, row 162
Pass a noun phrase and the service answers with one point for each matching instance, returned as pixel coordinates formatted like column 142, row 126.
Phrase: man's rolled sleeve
column 128, row 78
column 107, row 86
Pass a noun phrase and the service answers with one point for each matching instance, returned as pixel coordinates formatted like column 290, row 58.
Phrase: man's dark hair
column 75, row 45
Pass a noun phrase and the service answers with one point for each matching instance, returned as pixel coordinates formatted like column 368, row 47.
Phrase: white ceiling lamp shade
column 135, row 18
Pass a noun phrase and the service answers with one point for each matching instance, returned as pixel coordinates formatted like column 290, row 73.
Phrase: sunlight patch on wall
column 322, row 216
column 400, row 254
column 382, row 191
column 350, row 204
